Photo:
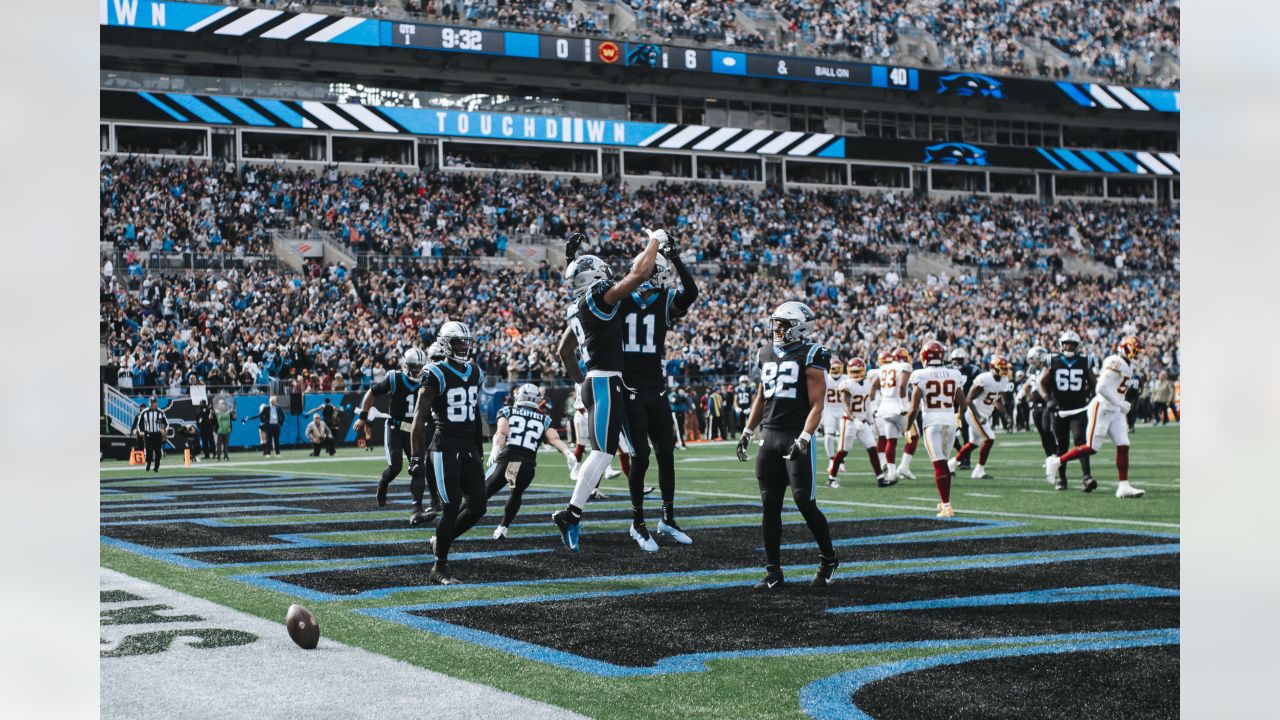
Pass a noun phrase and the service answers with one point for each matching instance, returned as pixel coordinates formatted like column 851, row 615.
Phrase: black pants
column 516, row 473
column 1070, row 432
column 207, row 442
column 462, row 490
column 1132, row 398
column 396, row 445
column 271, row 433
column 1162, row 412
column 224, row 441
column 774, row 472
column 649, row 420
column 1044, row 427
column 153, row 444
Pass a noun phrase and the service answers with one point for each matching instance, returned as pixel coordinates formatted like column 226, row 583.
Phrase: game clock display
column 453, row 39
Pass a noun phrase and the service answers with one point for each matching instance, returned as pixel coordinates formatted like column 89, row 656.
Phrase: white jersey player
column 1107, row 416
column 891, row 414
column 937, row 393
column 986, row 396
column 856, row 422
column 832, row 408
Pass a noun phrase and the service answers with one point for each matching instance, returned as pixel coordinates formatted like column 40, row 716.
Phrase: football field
column 1030, row 603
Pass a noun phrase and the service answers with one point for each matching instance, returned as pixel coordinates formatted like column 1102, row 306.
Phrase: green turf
column 757, row 687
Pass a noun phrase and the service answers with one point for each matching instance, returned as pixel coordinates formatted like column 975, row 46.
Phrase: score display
column 452, row 39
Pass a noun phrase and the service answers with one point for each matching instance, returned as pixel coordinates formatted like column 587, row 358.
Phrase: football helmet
column 1130, row 347
column 663, row 273
column 585, row 272
column 837, row 367
column 1000, row 365
column 528, row 394
column 437, row 352
column 792, row 322
column 959, row 356
column 743, row 380
column 1037, row 356
column 933, row 353
column 457, row 340
column 886, row 356
column 1068, row 338
column 857, row 369
column 412, row 363
column 903, row 355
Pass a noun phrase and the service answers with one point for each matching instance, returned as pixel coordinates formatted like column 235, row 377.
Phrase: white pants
column 859, row 428
column 937, row 439
column 1104, row 423
column 892, row 426
column 980, row 429
column 580, row 430
column 831, row 422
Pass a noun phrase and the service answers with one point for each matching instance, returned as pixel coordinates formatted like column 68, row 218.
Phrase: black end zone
column 1130, row 683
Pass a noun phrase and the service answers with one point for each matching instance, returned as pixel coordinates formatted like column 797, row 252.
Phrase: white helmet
column 1037, row 356
column 663, row 273
column 1068, row 337
column 528, row 394
column 793, row 321
column 412, row 363
column 959, row 355
column 437, row 352
column 457, row 341
column 585, row 272
column 743, row 380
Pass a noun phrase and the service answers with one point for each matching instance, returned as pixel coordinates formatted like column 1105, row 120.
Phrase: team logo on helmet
column 585, row 272
column 1001, row 366
column 1131, row 347
column 412, row 363
column 457, row 340
column 857, row 369
column 792, row 322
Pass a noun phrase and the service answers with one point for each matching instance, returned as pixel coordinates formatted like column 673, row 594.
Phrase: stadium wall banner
column 229, row 22
column 347, row 117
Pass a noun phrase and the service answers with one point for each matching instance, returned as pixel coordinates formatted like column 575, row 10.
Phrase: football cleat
column 611, row 473
column 1128, row 491
column 905, row 472
column 772, row 580
column 1061, row 484
column 422, row 517
column 649, row 490
column 1089, row 484
column 440, row 575
column 980, row 473
column 833, row 483
column 946, row 511
column 432, row 542
column 1051, row 465
column 569, row 529
column 952, row 464
column 500, row 532
column 597, row 495
column 891, row 473
column 641, row 535
column 383, row 487
column 826, row 568
column 883, row 480
column 673, row 531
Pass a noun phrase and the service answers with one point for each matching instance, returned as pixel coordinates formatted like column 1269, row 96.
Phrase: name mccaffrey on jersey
column 526, row 429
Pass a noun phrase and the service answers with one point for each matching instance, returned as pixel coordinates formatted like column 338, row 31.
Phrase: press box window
column 957, row 180
column 144, row 140
column 817, row 173
column 657, row 165
column 729, row 168
column 282, row 146
column 879, row 176
column 372, row 150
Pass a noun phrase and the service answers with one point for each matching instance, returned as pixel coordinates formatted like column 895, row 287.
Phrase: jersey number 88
column 460, row 404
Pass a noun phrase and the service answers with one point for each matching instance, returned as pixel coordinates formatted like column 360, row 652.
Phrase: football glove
column 1125, row 407
column 799, row 448
column 743, row 442
column 664, row 240
column 571, row 461
column 415, row 465
column 493, row 454
column 573, row 244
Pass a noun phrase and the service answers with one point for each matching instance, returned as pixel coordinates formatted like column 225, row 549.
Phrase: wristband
column 805, row 436
column 363, row 417
column 748, row 433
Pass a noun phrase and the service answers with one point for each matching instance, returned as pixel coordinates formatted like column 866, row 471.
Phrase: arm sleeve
column 688, row 289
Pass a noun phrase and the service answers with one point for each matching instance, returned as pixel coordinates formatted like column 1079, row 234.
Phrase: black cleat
column 440, row 575
column 420, row 516
column 826, row 568
column 772, row 579
column 382, row 493
column 882, row 481
column 569, row 529
column 1089, row 484
column 597, row 495
column 1061, row 484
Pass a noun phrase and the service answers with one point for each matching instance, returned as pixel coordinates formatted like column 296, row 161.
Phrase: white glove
column 660, row 235
column 1124, row 407
column 571, row 461
column 493, row 455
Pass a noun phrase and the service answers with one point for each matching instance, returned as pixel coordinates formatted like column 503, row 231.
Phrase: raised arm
column 642, row 270
column 688, row 286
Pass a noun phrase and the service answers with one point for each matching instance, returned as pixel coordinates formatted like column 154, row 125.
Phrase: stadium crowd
column 207, row 209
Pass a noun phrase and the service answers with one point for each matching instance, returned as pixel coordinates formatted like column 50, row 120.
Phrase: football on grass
column 303, row 627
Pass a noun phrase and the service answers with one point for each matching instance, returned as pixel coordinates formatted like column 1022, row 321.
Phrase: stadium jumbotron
column 640, row 359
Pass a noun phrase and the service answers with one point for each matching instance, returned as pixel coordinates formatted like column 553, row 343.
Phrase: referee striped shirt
column 152, row 421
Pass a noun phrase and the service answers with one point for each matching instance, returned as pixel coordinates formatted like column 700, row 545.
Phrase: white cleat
column 952, row 464
column 1051, row 465
column 979, row 473
column 905, row 472
column 500, row 532
column 890, row 473
column 611, row 473
column 674, row 532
column 833, row 483
column 644, row 540
column 1128, row 491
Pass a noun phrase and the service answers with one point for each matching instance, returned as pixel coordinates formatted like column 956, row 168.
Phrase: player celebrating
column 521, row 429
column 984, row 400
column 1067, row 383
column 856, row 421
column 647, row 315
column 937, row 394
column 597, row 329
column 450, row 394
column 790, row 399
column 1107, row 414
column 832, row 410
column 891, row 415
column 402, row 386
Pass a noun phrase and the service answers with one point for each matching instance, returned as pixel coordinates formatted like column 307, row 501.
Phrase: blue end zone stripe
column 1097, row 159
column 1049, row 156
column 237, row 107
column 1073, row 160
column 284, row 112
column 1074, row 93
column 1034, row 597
column 1123, row 160
column 168, row 110
column 197, row 108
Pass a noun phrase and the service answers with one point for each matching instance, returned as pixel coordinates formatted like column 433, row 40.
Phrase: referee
column 152, row 425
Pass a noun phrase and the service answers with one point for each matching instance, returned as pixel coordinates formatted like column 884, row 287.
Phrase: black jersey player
column 647, row 314
column 792, row 391
column 450, row 395
column 1038, row 358
column 1067, row 384
column 401, row 386
column 521, row 429
column 597, row 329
